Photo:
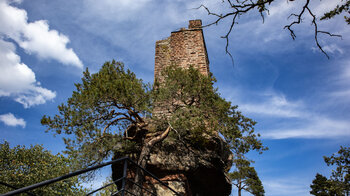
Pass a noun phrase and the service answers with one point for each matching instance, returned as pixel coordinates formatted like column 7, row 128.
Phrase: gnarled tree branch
column 239, row 8
column 314, row 23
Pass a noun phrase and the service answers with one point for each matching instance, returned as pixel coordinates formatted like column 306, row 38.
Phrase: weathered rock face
column 202, row 170
column 187, row 169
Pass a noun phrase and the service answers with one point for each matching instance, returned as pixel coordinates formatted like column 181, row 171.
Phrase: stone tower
column 183, row 48
column 187, row 169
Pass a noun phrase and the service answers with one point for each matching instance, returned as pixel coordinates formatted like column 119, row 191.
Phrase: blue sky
column 300, row 99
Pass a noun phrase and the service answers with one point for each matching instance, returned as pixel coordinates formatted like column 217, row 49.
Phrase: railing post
column 124, row 176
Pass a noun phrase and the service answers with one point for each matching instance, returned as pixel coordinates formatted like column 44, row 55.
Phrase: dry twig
column 240, row 7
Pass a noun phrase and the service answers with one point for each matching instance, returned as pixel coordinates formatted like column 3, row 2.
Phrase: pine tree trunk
column 239, row 188
column 145, row 152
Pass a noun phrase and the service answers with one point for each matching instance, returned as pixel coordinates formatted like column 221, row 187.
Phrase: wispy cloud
column 314, row 128
column 329, row 49
column 281, row 187
column 121, row 10
column 302, row 122
column 256, row 34
column 294, row 118
column 340, row 91
column 328, row 5
column 10, row 120
column 274, row 105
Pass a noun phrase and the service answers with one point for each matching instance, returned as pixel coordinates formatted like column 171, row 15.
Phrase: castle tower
column 187, row 169
column 183, row 48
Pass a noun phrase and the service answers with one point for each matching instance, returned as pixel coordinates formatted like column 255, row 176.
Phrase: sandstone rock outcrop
column 187, row 169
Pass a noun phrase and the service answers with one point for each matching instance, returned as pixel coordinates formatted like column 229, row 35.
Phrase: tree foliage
column 339, row 182
column 102, row 107
column 246, row 178
column 111, row 112
column 339, row 9
column 197, row 110
column 321, row 186
column 238, row 8
column 21, row 166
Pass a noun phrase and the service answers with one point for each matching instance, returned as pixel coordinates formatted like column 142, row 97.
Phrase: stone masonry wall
column 183, row 48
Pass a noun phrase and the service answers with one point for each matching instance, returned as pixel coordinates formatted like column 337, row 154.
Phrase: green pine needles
column 110, row 112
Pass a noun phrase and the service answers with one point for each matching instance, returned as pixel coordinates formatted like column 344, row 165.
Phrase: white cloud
column 280, row 187
column 121, row 10
column 341, row 90
column 346, row 70
column 341, row 94
column 293, row 118
column 136, row 25
column 10, row 120
column 18, row 80
column 317, row 127
column 15, row 76
column 48, row 43
column 282, row 9
column 325, row 6
column 329, row 49
column 35, row 37
column 274, row 105
column 303, row 123
column 36, row 95
column 267, row 103
column 258, row 34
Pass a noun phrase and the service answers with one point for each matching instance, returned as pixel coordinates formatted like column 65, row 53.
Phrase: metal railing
column 122, row 190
